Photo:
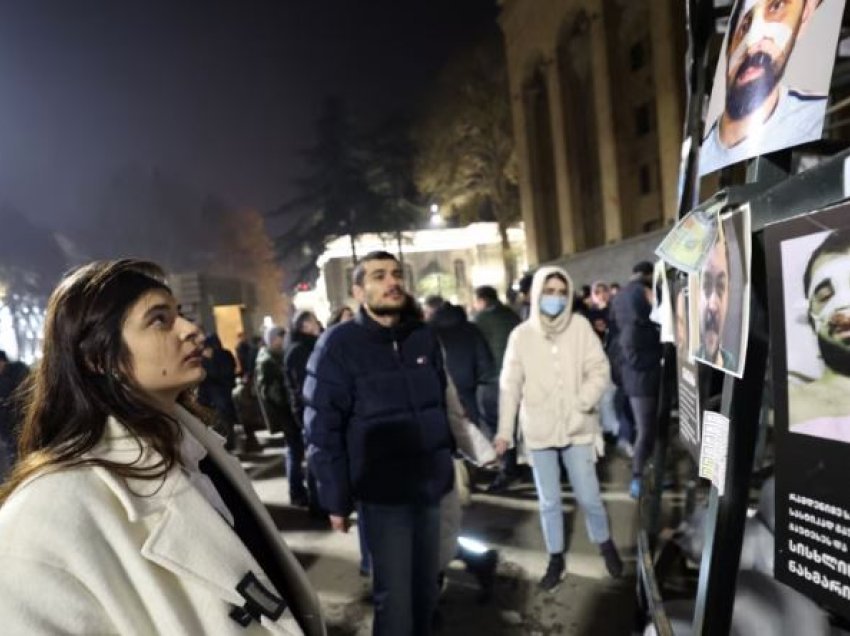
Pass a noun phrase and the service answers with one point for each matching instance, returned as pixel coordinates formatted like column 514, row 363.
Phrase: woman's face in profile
column 166, row 351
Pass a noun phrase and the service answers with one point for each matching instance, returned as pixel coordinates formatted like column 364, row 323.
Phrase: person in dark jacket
column 216, row 391
column 379, row 437
column 246, row 356
column 468, row 357
column 640, row 362
column 299, row 345
column 496, row 322
column 12, row 374
column 274, row 399
column 523, row 309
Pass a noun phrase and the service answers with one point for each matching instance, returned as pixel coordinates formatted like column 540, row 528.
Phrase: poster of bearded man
column 720, row 297
column 772, row 80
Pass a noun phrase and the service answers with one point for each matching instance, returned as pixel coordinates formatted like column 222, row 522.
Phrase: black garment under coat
column 468, row 357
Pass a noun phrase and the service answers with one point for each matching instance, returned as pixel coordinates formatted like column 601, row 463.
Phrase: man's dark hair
column 360, row 270
column 837, row 242
column 488, row 294
column 3, row 357
column 644, row 267
column 434, row 301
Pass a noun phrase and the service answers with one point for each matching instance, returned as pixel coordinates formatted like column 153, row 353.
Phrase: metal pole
column 741, row 403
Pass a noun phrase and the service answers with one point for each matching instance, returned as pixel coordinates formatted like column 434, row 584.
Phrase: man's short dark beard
column 742, row 101
column 835, row 356
column 386, row 311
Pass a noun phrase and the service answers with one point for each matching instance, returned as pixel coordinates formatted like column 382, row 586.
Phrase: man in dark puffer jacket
column 379, row 436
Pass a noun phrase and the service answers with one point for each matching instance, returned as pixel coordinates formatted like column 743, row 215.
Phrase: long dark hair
column 83, row 378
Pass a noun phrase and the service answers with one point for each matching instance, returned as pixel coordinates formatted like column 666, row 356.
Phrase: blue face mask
column 552, row 305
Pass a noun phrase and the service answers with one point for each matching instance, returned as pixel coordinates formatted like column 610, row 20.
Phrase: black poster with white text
column 809, row 295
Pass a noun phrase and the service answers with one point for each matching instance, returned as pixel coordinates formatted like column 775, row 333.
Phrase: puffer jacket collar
column 408, row 322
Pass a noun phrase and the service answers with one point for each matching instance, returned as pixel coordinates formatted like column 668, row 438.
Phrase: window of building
column 637, row 56
column 642, row 120
column 645, row 179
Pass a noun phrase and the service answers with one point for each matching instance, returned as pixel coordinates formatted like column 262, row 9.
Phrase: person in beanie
column 274, row 399
column 299, row 345
column 640, row 351
column 554, row 374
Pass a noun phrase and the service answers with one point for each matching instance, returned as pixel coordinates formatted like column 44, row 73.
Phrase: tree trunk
column 351, row 238
column 508, row 259
column 400, row 252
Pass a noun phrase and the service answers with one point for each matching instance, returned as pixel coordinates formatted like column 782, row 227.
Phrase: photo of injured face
column 720, row 298
column 772, row 81
column 816, row 279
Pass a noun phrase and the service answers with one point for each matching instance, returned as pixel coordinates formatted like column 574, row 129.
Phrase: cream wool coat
column 553, row 377
column 82, row 552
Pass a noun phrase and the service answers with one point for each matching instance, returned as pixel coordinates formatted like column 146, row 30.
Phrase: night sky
column 220, row 94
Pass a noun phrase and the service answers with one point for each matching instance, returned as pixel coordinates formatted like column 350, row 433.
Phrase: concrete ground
column 588, row 601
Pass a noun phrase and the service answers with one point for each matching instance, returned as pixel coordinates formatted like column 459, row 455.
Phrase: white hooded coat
column 554, row 374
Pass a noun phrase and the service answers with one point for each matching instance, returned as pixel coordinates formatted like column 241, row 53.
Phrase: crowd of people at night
column 123, row 500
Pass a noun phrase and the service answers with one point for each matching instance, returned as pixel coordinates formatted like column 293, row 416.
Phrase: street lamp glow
column 436, row 219
column 435, row 209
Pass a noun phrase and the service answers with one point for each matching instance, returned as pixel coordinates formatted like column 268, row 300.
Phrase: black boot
column 613, row 563
column 554, row 573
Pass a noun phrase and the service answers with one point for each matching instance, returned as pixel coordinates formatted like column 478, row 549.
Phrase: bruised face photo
column 382, row 291
column 714, row 299
column 758, row 51
column 829, row 303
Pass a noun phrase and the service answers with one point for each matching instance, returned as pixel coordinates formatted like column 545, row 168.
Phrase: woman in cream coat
column 554, row 373
column 125, row 515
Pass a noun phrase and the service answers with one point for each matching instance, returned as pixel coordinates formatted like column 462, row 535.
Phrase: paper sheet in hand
column 686, row 246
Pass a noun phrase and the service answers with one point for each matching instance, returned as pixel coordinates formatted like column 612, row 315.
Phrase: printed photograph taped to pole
column 689, row 412
column 816, row 286
column 772, row 80
column 720, row 300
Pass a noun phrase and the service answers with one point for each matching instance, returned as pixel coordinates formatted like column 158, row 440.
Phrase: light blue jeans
column 581, row 470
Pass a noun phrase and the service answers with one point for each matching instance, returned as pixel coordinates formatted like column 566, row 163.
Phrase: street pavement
column 588, row 601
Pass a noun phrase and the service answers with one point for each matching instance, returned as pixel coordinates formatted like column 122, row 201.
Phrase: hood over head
column 535, row 315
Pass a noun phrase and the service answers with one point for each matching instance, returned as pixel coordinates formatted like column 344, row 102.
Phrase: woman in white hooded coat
column 554, row 374
column 125, row 515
